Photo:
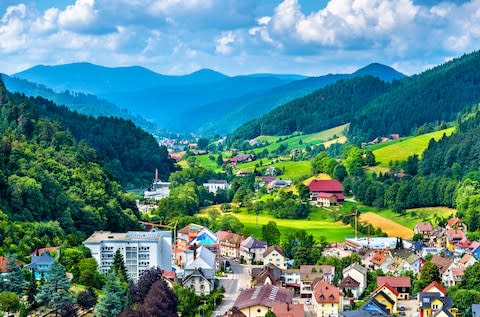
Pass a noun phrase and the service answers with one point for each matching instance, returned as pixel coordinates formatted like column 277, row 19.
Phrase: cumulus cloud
column 224, row 43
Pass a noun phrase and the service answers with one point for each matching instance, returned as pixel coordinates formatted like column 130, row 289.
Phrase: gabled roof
column 394, row 281
column 378, row 258
column 442, row 263
column 452, row 222
column 260, row 275
column 288, row 310
column 436, row 285
column 424, row 227
column 325, row 292
column 348, row 282
column 252, row 243
column 43, row 250
column 379, row 289
column 205, row 237
column 357, row 267
column 205, row 259
column 325, row 185
column 196, row 273
column 426, row 300
column 265, row 295
column 324, row 269
column 234, row 312
column 272, row 248
column 190, row 228
column 385, row 295
column 44, row 259
column 375, row 308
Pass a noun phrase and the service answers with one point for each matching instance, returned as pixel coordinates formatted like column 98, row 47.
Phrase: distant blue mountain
column 204, row 101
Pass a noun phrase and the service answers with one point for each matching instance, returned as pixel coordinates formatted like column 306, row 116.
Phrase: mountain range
column 206, row 101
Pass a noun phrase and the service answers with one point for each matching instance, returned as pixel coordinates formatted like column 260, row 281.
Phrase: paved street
column 233, row 282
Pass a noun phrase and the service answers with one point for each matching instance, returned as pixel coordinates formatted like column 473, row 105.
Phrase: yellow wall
column 381, row 299
column 252, row 311
column 327, row 309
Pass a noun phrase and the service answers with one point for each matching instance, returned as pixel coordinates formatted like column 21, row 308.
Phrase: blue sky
column 238, row 36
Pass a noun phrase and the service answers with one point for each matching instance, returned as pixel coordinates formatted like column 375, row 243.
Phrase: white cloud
column 224, row 43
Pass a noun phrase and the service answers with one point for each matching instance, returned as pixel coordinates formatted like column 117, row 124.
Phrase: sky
column 310, row 37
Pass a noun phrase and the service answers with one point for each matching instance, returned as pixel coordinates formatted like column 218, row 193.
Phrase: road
column 233, row 282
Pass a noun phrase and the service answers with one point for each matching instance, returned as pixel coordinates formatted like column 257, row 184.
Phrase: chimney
column 156, row 175
column 194, row 251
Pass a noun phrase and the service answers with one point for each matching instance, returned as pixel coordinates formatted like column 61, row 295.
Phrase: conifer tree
column 14, row 281
column 54, row 292
column 113, row 301
column 32, row 289
column 118, row 266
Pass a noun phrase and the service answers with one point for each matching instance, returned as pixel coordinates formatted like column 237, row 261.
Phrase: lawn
column 319, row 224
column 204, row 161
column 293, row 169
column 306, row 139
column 400, row 150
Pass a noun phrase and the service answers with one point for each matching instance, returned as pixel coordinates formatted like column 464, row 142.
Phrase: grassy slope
column 401, row 149
column 293, row 169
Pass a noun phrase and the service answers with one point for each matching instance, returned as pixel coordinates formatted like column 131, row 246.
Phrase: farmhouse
column 326, row 192
column 214, row 185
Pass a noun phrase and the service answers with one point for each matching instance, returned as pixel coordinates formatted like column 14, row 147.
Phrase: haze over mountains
column 205, row 101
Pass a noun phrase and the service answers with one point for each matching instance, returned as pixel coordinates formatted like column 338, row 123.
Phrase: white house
column 252, row 249
column 200, row 258
column 358, row 273
column 214, row 185
column 276, row 256
column 198, row 282
column 141, row 250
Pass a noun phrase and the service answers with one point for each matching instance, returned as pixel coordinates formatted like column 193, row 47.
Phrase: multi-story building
column 141, row 250
column 327, row 299
column 229, row 244
column 214, row 185
column 251, row 249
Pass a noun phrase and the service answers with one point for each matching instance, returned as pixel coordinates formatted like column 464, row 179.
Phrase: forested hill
column 434, row 95
column 126, row 152
column 46, row 175
column 81, row 102
column 325, row 108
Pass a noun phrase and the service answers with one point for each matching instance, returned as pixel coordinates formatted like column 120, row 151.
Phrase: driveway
column 233, row 282
column 410, row 307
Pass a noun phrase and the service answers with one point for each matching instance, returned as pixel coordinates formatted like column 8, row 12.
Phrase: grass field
column 293, row 169
column 307, row 139
column 319, row 224
column 400, row 150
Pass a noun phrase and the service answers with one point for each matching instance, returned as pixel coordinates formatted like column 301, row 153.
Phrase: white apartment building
column 141, row 250
column 214, row 185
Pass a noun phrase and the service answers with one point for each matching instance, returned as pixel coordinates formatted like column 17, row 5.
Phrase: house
column 475, row 249
column 434, row 304
column 206, row 238
column 270, row 171
column 200, row 258
column 456, row 223
column 276, row 256
column 413, row 263
column 141, row 250
column 435, row 287
column 234, row 312
column 241, row 158
column 265, row 180
column 395, row 136
column 291, row 278
column 327, row 299
column 467, row 260
column 402, row 284
column 357, row 273
column 40, row 265
column 380, row 260
column 251, row 249
column 230, row 245
column 453, row 276
column 372, row 308
column 288, row 310
column 242, row 173
column 326, row 192
column 348, row 285
column 454, row 237
column 278, row 183
column 257, row 301
column 442, row 263
column 424, row 229
column 310, row 273
column 387, row 296
column 198, row 282
column 267, row 275
column 41, row 251
column 214, row 185
column 184, row 236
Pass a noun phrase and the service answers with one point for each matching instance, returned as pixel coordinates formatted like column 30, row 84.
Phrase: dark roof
column 234, row 312
column 348, row 282
column 442, row 263
column 260, row 275
column 378, row 308
column 252, row 243
column 265, row 295
column 197, row 272
column 385, row 295
column 44, row 259
column 426, row 300
column 326, row 185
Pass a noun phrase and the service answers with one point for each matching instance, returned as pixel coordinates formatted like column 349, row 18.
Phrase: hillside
column 45, row 175
column 128, row 153
column 438, row 94
column 400, row 150
column 328, row 107
column 226, row 115
column 83, row 103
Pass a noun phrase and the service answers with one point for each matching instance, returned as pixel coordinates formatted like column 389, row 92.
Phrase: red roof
column 3, row 264
column 424, row 227
column 288, row 310
column 328, row 195
column 394, row 281
column 436, row 285
column 43, row 250
column 391, row 288
column 324, row 185
column 452, row 222
column 325, row 292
